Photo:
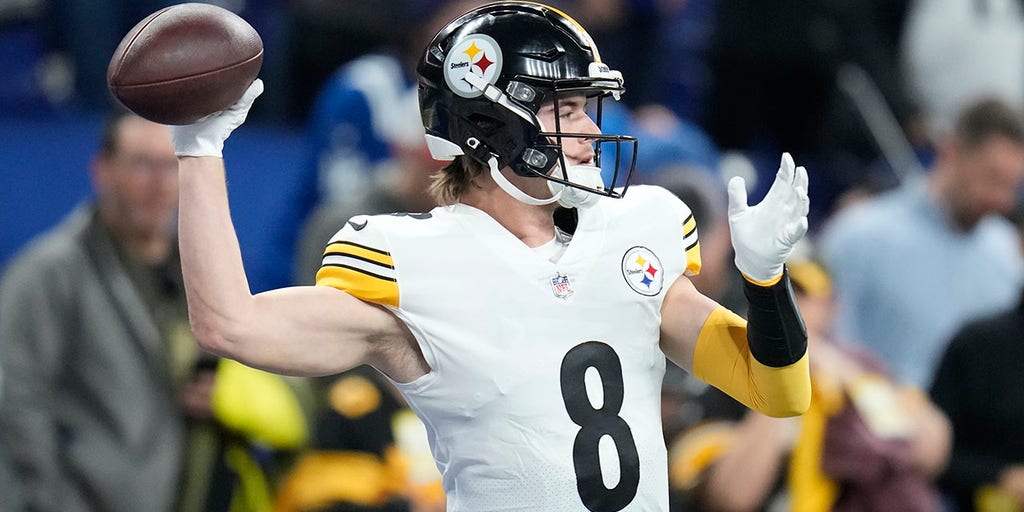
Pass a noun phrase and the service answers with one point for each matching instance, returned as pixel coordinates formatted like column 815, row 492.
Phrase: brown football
column 185, row 62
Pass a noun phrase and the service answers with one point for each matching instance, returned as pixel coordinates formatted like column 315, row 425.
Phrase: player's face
column 138, row 183
column 572, row 118
column 987, row 179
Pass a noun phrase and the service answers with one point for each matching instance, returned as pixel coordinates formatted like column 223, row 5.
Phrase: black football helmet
column 484, row 76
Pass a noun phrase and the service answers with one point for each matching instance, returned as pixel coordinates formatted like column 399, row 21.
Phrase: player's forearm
column 775, row 330
column 218, row 291
column 763, row 363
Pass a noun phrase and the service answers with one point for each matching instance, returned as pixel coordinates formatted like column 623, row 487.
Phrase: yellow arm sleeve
column 722, row 359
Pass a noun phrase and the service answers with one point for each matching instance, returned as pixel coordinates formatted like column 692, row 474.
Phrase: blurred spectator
column 913, row 265
column 955, row 51
column 110, row 403
column 9, row 497
column 94, row 332
column 369, row 453
column 865, row 444
column 978, row 384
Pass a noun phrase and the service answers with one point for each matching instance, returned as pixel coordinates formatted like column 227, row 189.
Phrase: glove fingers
column 783, row 178
column 786, row 168
column 803, row 202
column 737, row 190
column 800, row 180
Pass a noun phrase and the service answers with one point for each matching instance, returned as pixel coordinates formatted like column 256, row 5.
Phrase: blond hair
column 453, row 181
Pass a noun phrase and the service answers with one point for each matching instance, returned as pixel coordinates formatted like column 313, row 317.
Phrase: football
column 185, row 62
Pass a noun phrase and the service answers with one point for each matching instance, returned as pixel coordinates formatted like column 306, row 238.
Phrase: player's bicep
column 315, row 330
column 683, row 313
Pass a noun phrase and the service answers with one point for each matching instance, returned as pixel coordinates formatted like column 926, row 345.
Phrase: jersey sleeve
column 357, row 261
column 668, row 202
column 691, row 243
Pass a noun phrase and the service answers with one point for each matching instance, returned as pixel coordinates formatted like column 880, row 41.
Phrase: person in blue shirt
column 914, row 264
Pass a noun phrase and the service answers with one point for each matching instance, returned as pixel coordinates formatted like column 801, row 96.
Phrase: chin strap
column 569, row 197
column 513, row 190
column 572, row 197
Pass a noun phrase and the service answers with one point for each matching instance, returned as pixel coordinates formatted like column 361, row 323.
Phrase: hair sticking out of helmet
column 484, row 77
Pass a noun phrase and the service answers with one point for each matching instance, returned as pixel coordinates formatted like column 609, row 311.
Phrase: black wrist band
column 775, row 330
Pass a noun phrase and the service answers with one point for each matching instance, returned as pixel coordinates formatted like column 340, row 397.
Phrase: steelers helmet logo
column 642, row 271
column 478, row 54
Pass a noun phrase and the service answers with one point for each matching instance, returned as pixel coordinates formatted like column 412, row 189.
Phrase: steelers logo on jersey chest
column 642, row 271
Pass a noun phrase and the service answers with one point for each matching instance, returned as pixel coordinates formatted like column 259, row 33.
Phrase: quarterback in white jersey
column 512, row 413
column 528, row 319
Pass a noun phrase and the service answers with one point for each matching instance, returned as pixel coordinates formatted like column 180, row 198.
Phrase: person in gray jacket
column 99, row 360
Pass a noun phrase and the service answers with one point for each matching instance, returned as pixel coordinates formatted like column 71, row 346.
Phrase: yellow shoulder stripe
column 363, row 252
column 360, row 284
column 692, row 243
column 360, row 271
column 689, row 225
column 693, row 259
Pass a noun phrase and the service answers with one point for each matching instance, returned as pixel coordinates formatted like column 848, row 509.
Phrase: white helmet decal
column 478, row 54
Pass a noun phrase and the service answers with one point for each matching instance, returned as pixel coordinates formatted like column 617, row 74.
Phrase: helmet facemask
column 579, row 185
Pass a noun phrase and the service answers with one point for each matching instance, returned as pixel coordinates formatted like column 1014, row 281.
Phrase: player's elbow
column 215, row 333
column 788, row 405
column 786, row 391
column 208, row 335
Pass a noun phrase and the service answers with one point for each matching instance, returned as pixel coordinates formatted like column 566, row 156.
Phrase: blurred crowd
column 906, row 114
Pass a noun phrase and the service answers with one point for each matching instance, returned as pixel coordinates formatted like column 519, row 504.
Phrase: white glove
column 763, row 235
column 206, row 137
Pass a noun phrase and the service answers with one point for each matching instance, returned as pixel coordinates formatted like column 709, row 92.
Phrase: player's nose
column 590, row 127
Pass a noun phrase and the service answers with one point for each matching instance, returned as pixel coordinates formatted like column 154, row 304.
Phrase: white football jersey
column 545, row 380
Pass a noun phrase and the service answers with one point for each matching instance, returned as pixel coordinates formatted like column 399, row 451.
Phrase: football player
column 528, row 319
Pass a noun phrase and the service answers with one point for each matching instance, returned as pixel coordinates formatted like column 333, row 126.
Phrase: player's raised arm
column 300, row 330
column 763, row 363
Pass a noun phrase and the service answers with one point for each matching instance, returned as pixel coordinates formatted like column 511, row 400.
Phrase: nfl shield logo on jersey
column 561, row 285
column 643, row 271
